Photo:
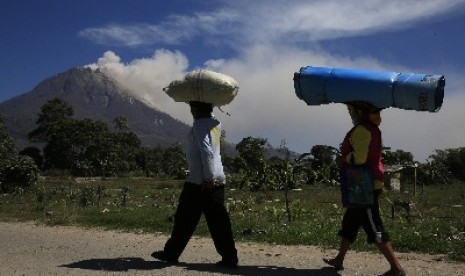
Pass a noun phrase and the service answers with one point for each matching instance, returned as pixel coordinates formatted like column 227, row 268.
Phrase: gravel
column 30, row 249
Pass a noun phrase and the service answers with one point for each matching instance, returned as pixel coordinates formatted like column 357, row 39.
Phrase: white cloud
column 174, row 31
column 422, row 132
column 317, row 20
column 244, row 21
column 127, row 35
column 266, row 105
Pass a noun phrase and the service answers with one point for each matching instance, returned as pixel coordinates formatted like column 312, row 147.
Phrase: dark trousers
column 194, row 201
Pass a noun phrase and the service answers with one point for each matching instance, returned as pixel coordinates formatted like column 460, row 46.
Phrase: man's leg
column 186, row 219
column 219, row 224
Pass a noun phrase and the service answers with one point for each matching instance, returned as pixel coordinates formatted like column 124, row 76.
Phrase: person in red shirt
column 362, row 145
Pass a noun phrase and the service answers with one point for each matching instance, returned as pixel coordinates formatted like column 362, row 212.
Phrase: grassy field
column 435, row 223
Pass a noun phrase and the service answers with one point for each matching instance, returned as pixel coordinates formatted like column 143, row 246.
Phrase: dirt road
column 28, row 249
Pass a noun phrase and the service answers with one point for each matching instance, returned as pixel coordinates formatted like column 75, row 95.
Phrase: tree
column 455, row 161
column 88, row 148
column 15, row 170
column 323, row 156
column 175, row 163
column 7, row 144
column 251, row 161
column 126, row 145
column 53, row 120
column 435, row 170
column 53, row 113
column 398, row 157
column 324, row 165
column 121, row 124
column 442, row 165
column 150, row 160
column 84, row 147
column 35, row 154
column 251, row 151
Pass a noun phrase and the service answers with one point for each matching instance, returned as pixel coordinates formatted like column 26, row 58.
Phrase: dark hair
column 201, row 106
column 364, row 106
column 364, row 110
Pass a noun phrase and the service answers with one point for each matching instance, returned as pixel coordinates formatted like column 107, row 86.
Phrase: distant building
column 392, row 177
column 396, row 177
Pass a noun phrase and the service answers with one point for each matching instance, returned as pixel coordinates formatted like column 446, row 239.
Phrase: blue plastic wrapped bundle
column 322, row 85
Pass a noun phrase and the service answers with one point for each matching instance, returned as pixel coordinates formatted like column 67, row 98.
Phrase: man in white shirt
column 203, row 192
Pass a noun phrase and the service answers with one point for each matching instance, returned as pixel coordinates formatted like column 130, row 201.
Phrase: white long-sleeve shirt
column 203, row 153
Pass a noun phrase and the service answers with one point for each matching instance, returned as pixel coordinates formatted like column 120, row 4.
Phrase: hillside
column 92, row 94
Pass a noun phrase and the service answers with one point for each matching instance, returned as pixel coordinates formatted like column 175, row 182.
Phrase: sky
column 146, row 44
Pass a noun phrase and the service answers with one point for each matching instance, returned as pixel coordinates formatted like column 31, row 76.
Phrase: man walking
column 203, row 192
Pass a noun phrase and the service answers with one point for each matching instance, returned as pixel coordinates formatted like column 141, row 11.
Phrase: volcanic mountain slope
column 92, row 94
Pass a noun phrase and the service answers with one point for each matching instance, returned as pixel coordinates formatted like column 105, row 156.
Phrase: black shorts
column 369, row 218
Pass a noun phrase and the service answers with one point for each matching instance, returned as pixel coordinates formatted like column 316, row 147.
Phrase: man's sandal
column 336, row 265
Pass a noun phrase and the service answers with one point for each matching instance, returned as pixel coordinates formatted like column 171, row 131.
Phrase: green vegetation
column 435, row 224
column 277, row 198
column 15, row 170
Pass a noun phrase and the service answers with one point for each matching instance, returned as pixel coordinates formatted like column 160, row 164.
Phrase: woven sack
column 203, row 86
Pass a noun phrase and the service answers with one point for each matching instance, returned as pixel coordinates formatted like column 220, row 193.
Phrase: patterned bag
column 356, row 186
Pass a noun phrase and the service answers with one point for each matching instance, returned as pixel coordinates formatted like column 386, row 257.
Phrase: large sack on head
column 322, row 85
column 204, row 86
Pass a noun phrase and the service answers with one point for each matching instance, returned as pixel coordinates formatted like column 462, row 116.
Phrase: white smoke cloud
column 266, row 59
column 146, row 78
column 266, row 105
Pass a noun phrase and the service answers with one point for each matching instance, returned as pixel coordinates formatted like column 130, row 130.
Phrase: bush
column 17, row 172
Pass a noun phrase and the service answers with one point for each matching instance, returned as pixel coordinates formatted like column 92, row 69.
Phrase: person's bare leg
column 386, row 249
column 338, row 261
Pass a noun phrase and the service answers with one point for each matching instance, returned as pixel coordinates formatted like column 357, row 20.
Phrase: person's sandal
column 161, row 255
column 336, row 265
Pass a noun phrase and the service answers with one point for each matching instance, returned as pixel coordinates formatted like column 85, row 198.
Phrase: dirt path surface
column 28, row 249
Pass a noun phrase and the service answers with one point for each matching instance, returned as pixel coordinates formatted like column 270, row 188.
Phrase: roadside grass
column 435, row 223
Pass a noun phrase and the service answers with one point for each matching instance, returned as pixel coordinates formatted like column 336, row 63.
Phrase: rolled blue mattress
column 323, row 85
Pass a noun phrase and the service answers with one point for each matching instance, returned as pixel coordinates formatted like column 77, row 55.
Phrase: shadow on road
column 117, row 264
column 131, row 263
column 252, row 270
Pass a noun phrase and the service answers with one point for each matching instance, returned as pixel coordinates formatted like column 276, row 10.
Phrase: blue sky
column 146, row 44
